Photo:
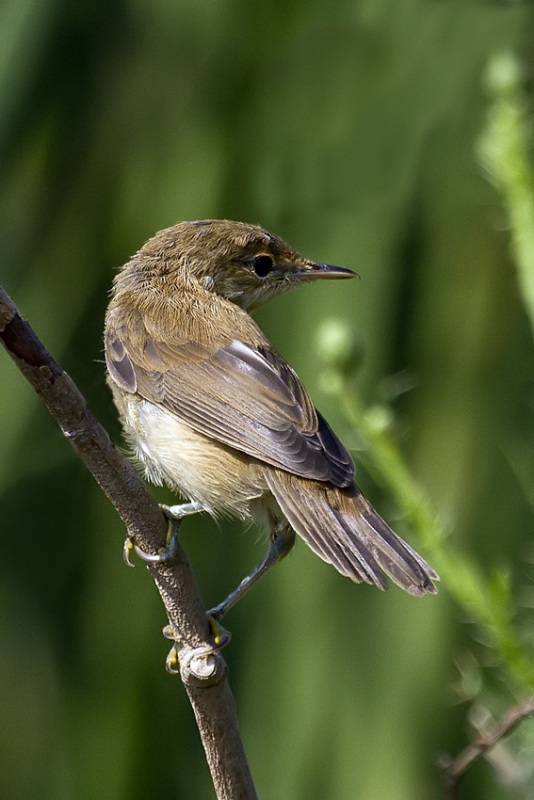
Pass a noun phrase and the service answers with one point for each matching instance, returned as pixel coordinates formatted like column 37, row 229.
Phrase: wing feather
column 244, row 395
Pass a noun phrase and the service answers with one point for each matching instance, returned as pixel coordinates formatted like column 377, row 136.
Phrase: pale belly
column 221, row 479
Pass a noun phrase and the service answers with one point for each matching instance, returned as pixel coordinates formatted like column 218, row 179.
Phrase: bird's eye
column 262, row 265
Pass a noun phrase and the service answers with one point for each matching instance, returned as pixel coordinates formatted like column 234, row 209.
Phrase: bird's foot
column 165, row 555
column 174, row 514
column 221, row 637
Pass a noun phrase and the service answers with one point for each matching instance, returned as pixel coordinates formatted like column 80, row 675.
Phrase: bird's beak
column 312, row 271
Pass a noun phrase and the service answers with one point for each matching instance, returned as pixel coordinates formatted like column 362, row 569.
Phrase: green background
column 350, row 129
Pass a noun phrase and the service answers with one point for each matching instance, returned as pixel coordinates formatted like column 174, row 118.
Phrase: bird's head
column 242, row 263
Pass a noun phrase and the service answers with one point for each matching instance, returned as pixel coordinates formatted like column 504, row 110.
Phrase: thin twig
column 455, row 769
column 204, row 678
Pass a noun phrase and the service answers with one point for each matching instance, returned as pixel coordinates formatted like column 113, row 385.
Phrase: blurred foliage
column 350, row 129
column 505, row 150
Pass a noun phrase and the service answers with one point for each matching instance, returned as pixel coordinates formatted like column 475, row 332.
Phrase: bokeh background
column 350, row 129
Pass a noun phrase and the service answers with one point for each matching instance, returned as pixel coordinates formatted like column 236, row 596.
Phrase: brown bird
column 214, row 412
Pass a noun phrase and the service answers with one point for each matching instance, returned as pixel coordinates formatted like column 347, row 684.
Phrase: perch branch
column 204, row 677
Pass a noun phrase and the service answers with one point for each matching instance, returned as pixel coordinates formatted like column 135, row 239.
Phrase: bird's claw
column 127, row 548
column 221, row 636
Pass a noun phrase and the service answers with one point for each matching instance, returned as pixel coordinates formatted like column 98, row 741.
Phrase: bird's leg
column 174, row 515
column 282, row 540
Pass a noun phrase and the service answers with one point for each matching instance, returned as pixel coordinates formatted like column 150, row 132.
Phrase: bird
column 211, row 409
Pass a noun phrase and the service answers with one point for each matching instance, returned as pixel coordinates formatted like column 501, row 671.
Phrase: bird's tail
column 342, row 527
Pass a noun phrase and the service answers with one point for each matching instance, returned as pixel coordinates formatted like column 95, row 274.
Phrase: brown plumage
column 215, row 412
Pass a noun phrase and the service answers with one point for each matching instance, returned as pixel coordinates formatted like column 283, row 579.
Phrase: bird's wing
column 244, row 395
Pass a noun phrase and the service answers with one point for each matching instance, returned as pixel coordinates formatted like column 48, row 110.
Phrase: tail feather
column 343, row 529
column 331, row 550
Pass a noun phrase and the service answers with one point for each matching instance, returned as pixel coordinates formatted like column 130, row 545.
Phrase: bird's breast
column 221, row 479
